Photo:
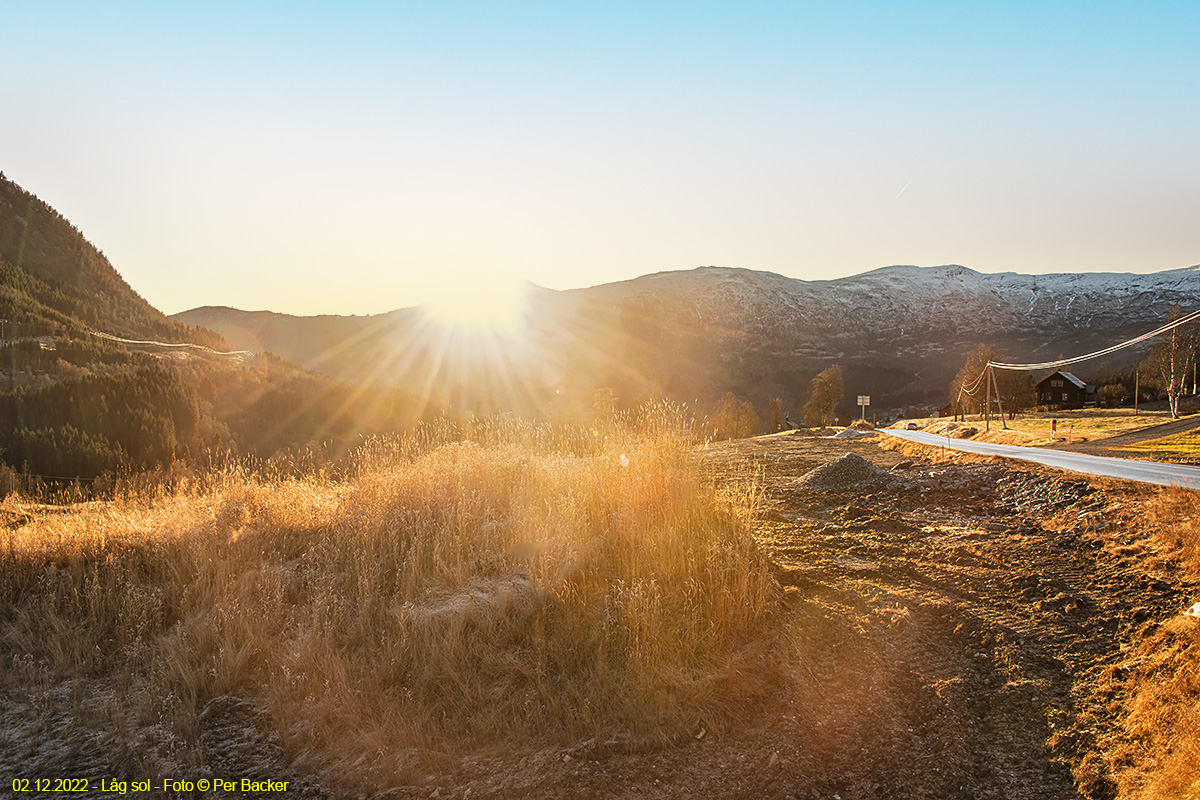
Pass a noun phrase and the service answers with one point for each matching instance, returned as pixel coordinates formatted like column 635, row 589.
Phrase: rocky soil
column 965, row 620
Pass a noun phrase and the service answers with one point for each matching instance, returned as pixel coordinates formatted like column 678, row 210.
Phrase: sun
column 480, row 306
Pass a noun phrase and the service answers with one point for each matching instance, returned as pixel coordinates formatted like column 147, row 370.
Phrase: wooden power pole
column 987, row 403
column 999, row 402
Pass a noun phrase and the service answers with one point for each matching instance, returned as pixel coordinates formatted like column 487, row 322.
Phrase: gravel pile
column 849, row 473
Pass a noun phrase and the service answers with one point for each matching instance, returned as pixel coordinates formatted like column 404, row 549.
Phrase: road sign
column 864, row 400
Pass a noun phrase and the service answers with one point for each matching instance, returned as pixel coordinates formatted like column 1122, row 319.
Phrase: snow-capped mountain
column 928, row 308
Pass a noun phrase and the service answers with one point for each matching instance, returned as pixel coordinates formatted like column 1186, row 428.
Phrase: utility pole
column 999, row 403
column 1136, row 376
column 987, row 403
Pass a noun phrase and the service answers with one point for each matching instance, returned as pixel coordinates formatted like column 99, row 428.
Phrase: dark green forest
column 91, row 423
column 73, row 422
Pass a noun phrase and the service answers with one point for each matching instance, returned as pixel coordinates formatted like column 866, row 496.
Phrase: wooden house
column 1063, row 390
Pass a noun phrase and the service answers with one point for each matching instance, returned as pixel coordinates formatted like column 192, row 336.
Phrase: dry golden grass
column 913, row 450
column 1034, row 429
column 1087, row 424
column 1173, row 515
column 1182, row 445
column 934, row 454
column 1162, row 690
column 449, row 595
column 1163, row 715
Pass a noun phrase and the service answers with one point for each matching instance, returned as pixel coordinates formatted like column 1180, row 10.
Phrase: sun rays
column 484, row 349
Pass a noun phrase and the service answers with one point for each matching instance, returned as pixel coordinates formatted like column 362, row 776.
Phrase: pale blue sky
column 358, row 157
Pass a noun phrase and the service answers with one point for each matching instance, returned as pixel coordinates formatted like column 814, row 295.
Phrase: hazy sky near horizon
column 358, row 157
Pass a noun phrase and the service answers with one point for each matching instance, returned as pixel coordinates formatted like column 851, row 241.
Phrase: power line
column 975, row 385
column 969, row 392
column 1062, row 362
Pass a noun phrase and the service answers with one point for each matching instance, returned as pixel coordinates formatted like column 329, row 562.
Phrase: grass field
column 1162, row 693
column 468, row 593
column 1083, row 425
column 1183, row 445
column 530, row 589
column 1086, row 424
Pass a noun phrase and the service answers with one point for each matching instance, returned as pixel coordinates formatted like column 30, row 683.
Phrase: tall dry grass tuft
column 1163, row 715
column 1172, row 515
column 449, row 594
column 1162, row 687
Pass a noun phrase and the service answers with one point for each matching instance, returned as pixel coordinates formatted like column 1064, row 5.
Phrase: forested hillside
column 53, row 280
column 74, row 405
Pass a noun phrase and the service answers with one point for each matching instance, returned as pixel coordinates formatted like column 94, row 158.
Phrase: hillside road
column 1121, row 468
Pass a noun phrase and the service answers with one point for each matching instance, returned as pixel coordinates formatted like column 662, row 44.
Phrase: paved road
column 1123, row 468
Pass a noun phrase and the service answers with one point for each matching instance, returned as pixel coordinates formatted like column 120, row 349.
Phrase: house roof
column 1066, row 375
column 1080, row 384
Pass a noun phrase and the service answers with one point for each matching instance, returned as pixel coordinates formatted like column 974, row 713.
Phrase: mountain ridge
column 900, row 331
column 54, row 280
